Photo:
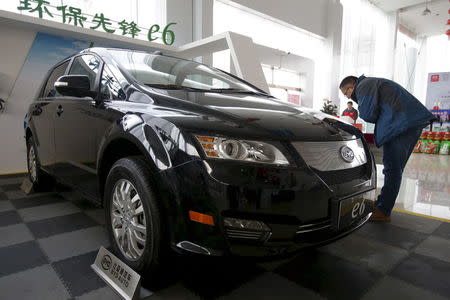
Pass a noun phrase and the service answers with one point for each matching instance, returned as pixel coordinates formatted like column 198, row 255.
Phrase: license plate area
column 352, row 209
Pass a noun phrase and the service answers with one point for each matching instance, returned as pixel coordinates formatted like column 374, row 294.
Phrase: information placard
column 120, row 277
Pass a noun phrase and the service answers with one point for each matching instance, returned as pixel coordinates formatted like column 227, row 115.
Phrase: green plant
column 328, row 107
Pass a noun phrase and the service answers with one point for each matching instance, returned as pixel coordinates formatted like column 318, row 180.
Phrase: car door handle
column 59, row 110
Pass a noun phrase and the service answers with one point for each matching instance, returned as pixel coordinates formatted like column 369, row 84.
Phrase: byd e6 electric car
column 188, row 157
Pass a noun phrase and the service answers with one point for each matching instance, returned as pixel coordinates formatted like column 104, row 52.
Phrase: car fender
column 163, row 145
column 158, row 141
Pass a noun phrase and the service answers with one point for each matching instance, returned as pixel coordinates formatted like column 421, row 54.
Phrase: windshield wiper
column 238, row 91
column 217, row 90
column 174, row 87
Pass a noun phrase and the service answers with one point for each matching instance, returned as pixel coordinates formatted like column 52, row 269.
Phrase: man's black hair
column 347, row 80
column 350, row 102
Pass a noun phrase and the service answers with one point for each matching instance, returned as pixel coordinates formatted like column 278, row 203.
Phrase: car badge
column 347, row 154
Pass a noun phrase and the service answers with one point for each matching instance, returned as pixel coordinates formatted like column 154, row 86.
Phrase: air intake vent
column 314, row 226
column 245, row 234
column 342, row 176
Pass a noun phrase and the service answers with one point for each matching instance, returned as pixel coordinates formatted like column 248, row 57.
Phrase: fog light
column 245, row 224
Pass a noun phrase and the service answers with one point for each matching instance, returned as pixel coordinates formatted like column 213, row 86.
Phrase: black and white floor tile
column 49, row 240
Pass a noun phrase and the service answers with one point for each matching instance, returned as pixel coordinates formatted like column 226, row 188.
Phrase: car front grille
column 342, row 176
column 326, row 160
column 327, row 156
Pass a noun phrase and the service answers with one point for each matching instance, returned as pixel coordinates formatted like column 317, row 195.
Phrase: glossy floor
column 425, row 186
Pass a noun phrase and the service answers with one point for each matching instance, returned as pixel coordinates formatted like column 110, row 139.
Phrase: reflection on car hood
column 247, row 115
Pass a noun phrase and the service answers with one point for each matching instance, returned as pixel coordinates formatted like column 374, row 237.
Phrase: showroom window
column 284, row 84
column 367, row 44
column 258, row 28
column 405, row 60
column 367, row 39
column 266, row 31
column 433, row 56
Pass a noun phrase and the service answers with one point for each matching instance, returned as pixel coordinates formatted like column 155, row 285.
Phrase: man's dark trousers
column 395, row 155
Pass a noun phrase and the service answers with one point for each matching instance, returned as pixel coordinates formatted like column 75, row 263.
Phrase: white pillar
column 333, row 45
column 181, row 12
column 203, row 24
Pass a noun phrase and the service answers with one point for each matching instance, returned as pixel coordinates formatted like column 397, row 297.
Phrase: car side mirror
column 75, row 86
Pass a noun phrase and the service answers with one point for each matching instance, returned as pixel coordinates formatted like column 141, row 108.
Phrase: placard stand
column 124, row 281
column 26, row 186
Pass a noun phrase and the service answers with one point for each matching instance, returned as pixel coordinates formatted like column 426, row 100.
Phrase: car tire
column 38, row 178
column 132, row 176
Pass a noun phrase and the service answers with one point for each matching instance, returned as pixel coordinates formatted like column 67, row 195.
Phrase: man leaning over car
column 399, row 119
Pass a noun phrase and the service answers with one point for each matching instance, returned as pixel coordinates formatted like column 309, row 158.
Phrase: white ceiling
column 410, row 14
column 432, row 24
column 393, row 5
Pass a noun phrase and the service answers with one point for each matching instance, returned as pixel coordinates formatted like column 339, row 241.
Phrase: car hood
column 248, row 116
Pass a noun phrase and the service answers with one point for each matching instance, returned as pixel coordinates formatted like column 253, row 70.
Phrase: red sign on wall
column 434, row 78
column 294, row 99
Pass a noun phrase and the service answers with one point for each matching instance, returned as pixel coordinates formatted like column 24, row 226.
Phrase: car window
column 49, row 90
column 110, row 87
column 86, row 65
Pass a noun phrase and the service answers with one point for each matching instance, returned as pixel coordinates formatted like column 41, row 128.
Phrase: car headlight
column 243, row 150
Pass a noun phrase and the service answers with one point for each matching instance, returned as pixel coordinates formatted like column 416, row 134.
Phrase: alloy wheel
column 128, row 220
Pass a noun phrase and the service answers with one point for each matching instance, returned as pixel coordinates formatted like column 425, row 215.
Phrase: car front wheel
column 133, row 215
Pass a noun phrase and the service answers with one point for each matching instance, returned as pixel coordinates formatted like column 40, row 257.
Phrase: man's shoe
column 379, row 216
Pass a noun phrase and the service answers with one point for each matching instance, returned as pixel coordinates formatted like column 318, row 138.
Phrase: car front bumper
column 298, row 206
column 300, row 241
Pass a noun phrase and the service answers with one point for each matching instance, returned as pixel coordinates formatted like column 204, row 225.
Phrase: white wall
column 310, row 15
column 15, row 46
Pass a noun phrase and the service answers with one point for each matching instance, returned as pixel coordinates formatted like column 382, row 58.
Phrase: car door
column 43, row 114
column 75, row 131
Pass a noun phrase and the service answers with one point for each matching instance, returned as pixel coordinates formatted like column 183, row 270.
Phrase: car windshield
column 172, row 73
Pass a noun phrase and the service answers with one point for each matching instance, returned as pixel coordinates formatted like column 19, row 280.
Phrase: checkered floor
column 49, row 240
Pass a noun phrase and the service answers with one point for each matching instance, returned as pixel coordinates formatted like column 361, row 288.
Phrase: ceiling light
column 426, row 12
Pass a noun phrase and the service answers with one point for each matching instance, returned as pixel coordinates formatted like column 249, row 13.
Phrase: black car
column 188, row 157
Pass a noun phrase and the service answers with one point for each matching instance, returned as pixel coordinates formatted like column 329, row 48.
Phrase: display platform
column 48, row 242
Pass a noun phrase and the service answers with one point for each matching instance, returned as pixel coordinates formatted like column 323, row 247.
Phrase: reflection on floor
column 425, row 186
column 49, row 240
